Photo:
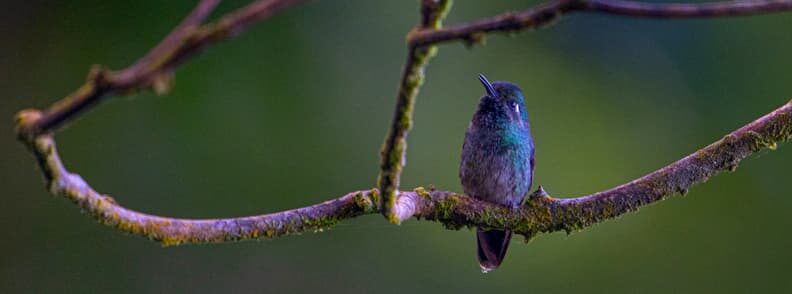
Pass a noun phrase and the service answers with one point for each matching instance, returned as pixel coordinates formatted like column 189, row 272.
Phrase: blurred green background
column 293, row 112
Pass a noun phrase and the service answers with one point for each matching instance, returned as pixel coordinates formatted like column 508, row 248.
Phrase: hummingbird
column 497, row 161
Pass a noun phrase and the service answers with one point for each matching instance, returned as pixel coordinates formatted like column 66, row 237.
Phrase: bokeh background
column 293, row 112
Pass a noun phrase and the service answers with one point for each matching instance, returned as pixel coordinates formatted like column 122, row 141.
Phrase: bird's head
column 503, row 98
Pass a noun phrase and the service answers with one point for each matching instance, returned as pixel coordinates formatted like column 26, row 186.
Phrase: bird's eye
column 517, row 108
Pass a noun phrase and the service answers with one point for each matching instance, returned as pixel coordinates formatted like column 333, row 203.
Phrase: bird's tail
column 492, row 246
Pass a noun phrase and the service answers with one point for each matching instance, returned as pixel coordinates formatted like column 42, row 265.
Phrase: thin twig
column 474, row 32
column 393, row 153
column 175, row 37
column 154, row 70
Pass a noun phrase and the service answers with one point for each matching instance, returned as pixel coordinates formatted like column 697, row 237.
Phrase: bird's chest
column 496, row 164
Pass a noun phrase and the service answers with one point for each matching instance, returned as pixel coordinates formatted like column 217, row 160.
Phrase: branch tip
column 539, row 193
column 162, row 83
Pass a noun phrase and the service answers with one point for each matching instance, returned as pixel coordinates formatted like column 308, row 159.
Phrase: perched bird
column 497, row 161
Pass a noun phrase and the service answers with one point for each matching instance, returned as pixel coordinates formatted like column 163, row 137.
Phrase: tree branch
column 474, row 32
column 155, row 69
column 541, row 213
column 394, row 149
column 173, row 231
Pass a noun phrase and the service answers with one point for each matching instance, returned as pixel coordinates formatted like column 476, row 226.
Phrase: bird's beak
column 487, row 86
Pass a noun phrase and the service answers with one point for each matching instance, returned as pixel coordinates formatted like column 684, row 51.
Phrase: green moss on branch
column 393, row 152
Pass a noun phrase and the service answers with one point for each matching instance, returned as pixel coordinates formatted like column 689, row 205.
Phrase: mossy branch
column 541, row 213
column 393, row 155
